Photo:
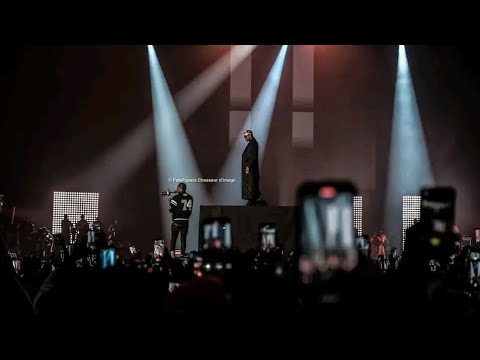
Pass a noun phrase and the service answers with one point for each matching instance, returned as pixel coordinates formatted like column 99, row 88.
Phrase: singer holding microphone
column 181, row 208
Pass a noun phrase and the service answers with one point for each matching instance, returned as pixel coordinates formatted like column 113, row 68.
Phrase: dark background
column 62, row 107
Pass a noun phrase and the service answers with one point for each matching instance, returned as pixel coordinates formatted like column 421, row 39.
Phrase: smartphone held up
column 108, row 258
column 267, row 236
column 325, row 235
column 437, row 209
column 437, row 220
column 216, row 233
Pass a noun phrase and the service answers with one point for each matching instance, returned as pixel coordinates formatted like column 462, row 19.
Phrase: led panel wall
column 358, row 214
column 410, row 213
column 74, row 204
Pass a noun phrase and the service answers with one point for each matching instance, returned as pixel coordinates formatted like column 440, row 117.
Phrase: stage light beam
column 201, row 88
column 117, row 164
column 175, row 160
column 113, row 168
column 409, row 163
column 259, row 122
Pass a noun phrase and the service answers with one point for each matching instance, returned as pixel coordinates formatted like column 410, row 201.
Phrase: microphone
column 168, row 192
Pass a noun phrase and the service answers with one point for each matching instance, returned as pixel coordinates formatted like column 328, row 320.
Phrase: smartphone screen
column 133, row 250
column 363, row 244
column 437, row 209
column 326, row 231
column 216, row 233
column 268, row 236
column 108, row 258
column 466, row 241
column 477, row 235
column 15, row 260
column 158, row 247
column 474, row 268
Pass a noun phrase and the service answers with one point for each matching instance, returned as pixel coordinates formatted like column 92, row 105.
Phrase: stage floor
column 246, row 219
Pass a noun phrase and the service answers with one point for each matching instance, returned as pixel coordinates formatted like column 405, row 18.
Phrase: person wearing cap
column 250, row 169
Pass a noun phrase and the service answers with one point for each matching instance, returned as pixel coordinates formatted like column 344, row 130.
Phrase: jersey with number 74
column 181, row 207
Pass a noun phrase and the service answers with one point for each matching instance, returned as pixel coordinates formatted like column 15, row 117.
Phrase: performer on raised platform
column 250, row 170
column 181, row 208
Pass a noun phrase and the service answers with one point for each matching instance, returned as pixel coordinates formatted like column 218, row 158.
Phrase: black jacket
column 181, row 206
column 250, row 181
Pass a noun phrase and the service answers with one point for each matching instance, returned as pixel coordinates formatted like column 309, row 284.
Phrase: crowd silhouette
column 427, row 283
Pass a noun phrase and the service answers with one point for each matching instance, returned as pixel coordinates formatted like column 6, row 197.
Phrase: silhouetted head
column 248, row 135
column 181, row 188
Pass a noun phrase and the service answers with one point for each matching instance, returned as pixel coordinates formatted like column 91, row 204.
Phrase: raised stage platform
column 246, row 219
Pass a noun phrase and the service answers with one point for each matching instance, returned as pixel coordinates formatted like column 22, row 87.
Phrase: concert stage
column 246, row 219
